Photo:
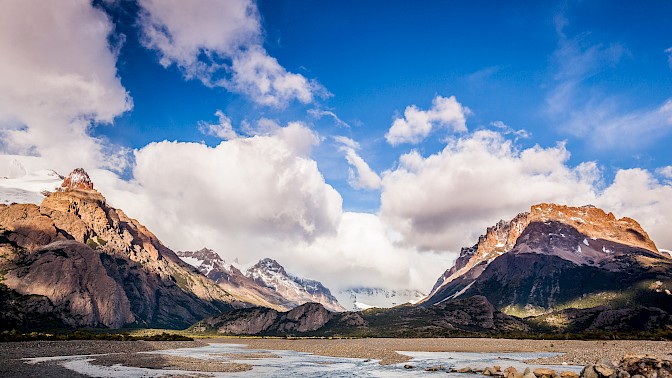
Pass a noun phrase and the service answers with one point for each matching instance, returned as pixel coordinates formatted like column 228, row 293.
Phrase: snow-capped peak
column 270, row 273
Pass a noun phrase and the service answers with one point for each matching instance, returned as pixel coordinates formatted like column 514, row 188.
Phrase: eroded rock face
column 99, row 266
column 250, row 321
column 72, row 276
column 305, row 318
column 596, row 229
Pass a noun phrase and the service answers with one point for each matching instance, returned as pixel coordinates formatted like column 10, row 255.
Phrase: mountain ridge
column 563, row 258
column 95, row 266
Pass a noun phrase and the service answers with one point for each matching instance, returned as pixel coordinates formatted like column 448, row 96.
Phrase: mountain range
column 266, row 283
column 74, row 261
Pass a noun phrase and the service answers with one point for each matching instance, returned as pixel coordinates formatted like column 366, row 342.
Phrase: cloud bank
column 444, row 201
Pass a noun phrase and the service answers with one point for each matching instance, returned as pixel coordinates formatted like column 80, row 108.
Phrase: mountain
column 362, row 298
column 232, row 279
column 76, row 261
column 556, row 258
column 267, row 272
column 451, row 318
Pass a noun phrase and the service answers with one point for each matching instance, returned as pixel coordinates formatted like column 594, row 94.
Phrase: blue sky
column 499, row 60
column 361, row 143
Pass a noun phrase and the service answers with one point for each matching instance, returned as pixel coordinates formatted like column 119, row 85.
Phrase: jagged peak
column 77, row 179
column 269, row 264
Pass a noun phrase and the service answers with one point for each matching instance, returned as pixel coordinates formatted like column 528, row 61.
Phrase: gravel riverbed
column 385, row 350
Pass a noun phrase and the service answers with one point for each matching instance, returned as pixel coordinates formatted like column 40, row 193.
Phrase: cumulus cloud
column 416, row 124
column 665, row 172
column 244, row 188
column 444, row 201
column 586, row 111
column 636, row 193
column 362, row 176
column 223, row 129
column 57, row 77
column 260, row 196
column 220, row 44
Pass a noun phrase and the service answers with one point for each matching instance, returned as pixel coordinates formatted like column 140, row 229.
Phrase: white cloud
column 364, row 252
column 362, row 177
column 669, row 56
column 223, row 129
column 319, row 113
column 444, row 201
column 347, row 142
column 262, row 196
column 637, row 194
column 57, row 76
column 506, row 130
column 219, row 43
column 246, row 188
column 416, row 124
column 665, row 172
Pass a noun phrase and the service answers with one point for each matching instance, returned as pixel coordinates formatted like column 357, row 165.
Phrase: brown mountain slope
column 98, row 267
column 559, row 257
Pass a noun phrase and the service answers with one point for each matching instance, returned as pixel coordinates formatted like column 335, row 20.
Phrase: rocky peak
column 590, row 221
column 77, row 179
column 268, row 265
column 205, row 254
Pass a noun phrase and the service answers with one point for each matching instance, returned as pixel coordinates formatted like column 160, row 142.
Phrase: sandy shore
column 574, row 352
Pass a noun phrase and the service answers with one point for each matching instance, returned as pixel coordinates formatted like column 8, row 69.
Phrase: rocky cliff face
column 268, row 273
column 590, row 221
column 231, row 279
column 558, row 257
column 98, row 267
column 77, row 179
column 302, row 319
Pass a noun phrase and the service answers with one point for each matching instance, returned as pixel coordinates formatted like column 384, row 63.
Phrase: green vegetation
column 96, row 242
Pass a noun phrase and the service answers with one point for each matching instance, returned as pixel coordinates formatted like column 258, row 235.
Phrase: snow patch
column 464, row 290
column 29, row 188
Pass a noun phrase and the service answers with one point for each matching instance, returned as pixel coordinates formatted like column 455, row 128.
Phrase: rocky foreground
column 572, row 352
column 602, row 360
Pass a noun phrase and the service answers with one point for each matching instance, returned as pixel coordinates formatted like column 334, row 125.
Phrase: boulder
column 544, row 373
column 589, row 372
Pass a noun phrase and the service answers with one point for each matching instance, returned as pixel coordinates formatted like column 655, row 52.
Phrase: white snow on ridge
column 363, row 298
column 29, row 188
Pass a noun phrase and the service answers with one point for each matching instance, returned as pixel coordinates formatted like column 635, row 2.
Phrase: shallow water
column 298, row 364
